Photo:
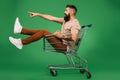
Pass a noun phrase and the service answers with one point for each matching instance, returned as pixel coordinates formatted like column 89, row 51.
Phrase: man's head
column 70, row 10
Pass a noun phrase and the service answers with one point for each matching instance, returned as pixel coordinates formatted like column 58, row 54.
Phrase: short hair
column 72, row 7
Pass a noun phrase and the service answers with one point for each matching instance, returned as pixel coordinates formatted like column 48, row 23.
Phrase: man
column 66, row 38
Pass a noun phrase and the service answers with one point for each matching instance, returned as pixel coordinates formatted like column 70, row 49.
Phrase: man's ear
column 72, row 11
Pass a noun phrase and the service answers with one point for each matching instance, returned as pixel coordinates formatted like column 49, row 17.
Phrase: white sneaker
column 16, row 42
column 17, row 26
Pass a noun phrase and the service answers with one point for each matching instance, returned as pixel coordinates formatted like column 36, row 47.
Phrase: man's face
column 67, row 11
column 67, row 14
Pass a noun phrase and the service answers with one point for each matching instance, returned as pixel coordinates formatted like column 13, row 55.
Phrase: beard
column 67, row 17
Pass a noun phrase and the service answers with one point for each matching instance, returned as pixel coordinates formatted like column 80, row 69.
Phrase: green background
column 100, row 46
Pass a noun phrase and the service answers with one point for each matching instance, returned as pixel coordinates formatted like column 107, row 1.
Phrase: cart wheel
column 53, row 72
column 88, row 74
column 82, row 71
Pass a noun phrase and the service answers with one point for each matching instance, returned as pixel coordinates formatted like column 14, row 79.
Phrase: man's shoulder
column 76, row 22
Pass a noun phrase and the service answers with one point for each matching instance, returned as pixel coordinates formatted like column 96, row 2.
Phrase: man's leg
column 57, row 43
column 28, row 31
column 38, row 34
column 19, row 43
column 19, row 29
column 35, row 35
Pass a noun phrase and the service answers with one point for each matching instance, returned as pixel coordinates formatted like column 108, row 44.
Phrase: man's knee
column 46, row 32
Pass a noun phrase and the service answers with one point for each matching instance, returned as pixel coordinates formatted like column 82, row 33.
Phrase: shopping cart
column 75, row 62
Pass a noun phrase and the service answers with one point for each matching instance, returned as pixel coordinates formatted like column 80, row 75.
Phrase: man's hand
column 58, row 34
column 33, row 14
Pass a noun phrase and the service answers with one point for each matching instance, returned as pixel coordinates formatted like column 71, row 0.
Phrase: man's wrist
column 37, row 14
